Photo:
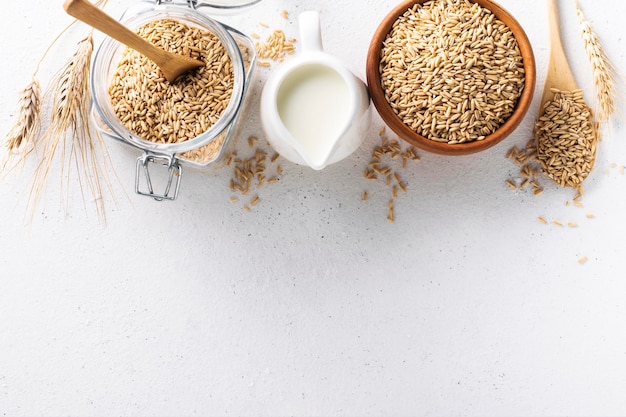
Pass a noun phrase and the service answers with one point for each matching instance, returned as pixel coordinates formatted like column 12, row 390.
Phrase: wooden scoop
column 566, row 147
column 559, row 74
column 172, row 65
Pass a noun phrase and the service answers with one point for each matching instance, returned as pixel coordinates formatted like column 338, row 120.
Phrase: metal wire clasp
column 172, row 185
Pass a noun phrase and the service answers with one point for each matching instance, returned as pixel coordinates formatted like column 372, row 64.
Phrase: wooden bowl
column 405, row 132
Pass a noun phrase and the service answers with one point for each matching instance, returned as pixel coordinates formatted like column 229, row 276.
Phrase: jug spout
column 316, row 162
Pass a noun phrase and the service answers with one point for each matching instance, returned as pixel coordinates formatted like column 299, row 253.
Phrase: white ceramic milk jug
column 314, row 110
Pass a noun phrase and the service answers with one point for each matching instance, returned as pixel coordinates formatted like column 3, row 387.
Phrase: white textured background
column 312, row 304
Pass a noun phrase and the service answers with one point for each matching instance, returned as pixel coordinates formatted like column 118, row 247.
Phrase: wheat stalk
column 604, row 72
column 69, row 122
column 68, row 134
column 27, row 125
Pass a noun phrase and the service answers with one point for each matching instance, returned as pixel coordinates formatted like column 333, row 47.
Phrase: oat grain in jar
column 187, row 122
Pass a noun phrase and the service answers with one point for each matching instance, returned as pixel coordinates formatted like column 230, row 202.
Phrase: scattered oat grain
column 382, row 166
column 249, row 173
column 275, row 47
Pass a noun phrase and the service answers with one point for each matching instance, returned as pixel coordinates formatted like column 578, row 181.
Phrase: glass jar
column 202, row 150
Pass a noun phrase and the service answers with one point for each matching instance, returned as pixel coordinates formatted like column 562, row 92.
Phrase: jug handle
column 310, row 31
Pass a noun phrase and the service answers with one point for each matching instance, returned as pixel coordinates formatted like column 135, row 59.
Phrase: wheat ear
column 27, row 123
column 69, row 94
column 604, row 72
column 28, row 116
column 23, row 134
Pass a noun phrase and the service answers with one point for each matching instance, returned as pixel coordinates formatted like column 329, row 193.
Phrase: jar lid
column 215, row 4
column 227, row 4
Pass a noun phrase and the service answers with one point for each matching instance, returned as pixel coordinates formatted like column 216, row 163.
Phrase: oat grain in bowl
column 451, row 70
column 163, row 112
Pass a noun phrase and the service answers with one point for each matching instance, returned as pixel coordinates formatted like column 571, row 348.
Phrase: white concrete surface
column 312, row 304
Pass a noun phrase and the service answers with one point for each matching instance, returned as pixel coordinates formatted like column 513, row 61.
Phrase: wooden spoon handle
column 554, row 24
column 559, row 74
column 86, row 12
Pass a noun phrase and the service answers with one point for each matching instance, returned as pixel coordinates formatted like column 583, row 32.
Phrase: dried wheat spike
column 69, row 94
column 27, row 123
column 604, row 73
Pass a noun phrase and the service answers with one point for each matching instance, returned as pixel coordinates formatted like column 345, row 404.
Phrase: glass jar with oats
column 185, row 122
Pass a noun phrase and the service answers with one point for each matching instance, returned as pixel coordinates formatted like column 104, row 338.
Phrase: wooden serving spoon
column 566, row 145
column 172, row 65
column 560, row 75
